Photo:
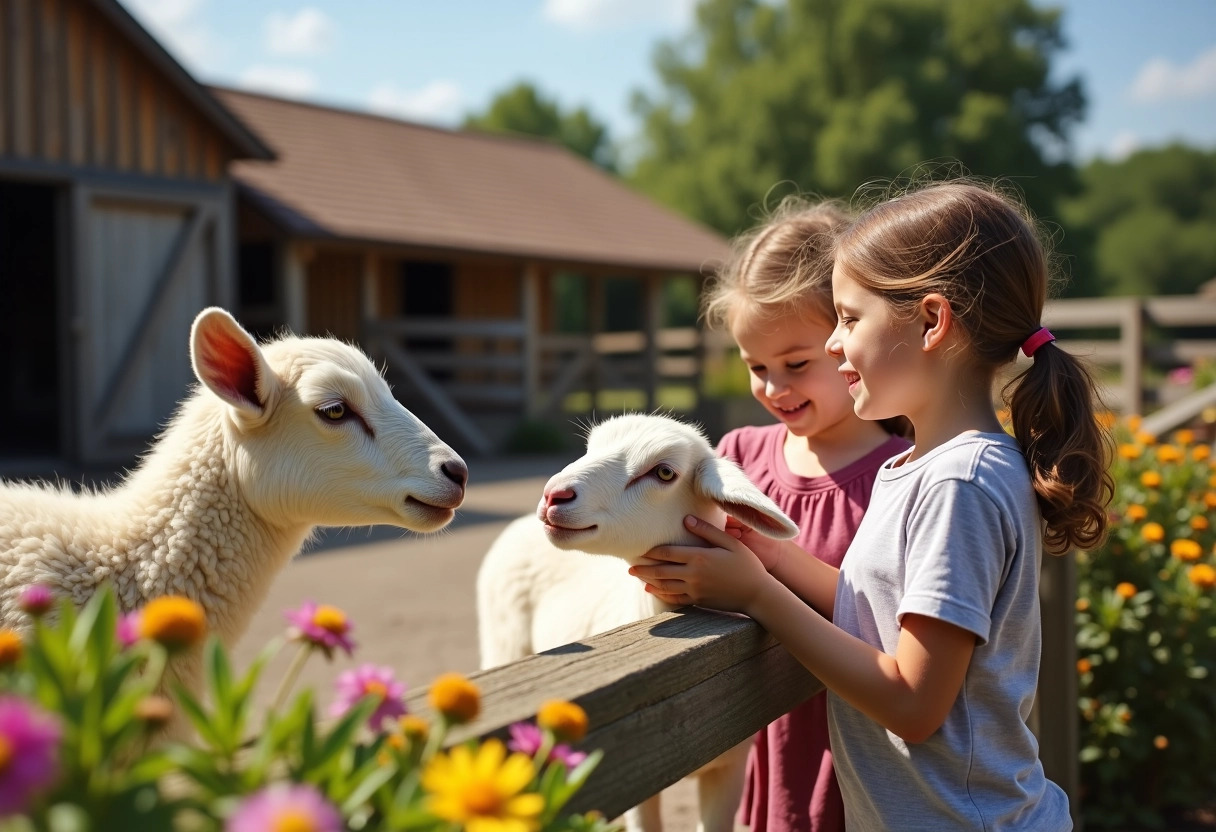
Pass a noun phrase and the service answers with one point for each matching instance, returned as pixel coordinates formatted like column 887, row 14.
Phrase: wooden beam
column 436, row 396
column 529, row 308
column 652, row 324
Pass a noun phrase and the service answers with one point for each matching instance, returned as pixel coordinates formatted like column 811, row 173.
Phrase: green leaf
column 368, row 784
column 342, row 733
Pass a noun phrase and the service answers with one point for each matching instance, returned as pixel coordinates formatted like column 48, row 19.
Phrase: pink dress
column 790, row 783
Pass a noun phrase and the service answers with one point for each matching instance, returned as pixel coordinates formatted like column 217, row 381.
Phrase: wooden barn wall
column 74, row 92
column 334, row 293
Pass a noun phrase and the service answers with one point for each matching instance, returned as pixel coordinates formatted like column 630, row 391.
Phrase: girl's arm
column 811, row 579
column 908, row 693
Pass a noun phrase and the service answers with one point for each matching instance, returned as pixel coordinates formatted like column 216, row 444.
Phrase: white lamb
column 278, row 439
column 544, row 582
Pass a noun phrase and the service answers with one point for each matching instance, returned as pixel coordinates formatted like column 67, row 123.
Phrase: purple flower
column 285, row 806
column 322, row 626
column 128, row 629
column 29, row 753
column 36, row 600
column 371, row 680
column 526, row 738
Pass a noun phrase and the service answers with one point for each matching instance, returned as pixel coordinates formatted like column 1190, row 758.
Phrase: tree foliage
column 1146, row 225
column 828, row 94
column 523, row 109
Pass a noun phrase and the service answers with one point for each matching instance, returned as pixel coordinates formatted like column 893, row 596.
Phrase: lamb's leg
column 645, row 817
column 720, row 788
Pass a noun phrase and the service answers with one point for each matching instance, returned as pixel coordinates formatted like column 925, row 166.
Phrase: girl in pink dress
column 817, row 463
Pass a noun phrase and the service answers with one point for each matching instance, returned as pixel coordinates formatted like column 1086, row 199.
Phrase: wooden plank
column 99, row 102
column 435, row 360
column 482, row 394
column 1182, row 311
column 1065, row 313
column 416, row 326
column 1180, row 412
column 1054, row 717
column 529, row 303
column 78, row 117
column 435, row 395
column 652, row 321
column 37, row 81
column 17, row 49
column 663, row 696
column 6, row 91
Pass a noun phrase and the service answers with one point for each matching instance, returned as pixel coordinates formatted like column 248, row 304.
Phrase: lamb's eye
column 665, row 473
column 334, row 411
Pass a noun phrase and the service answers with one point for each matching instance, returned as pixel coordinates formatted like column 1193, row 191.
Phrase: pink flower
column 1181, row 375
column 29, row 753
column 36, row 600
column 370, row 680
column 526, row 738
column 322, row 626
column 128, row 628
column 567, row 756
column 285, row 806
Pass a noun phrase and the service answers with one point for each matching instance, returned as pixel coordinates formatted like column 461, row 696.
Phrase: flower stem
column 289, row 678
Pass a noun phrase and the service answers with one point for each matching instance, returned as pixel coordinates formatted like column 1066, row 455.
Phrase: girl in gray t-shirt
column 928, row 638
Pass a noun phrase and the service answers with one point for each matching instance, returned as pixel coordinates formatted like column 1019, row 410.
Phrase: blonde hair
column 979, row 249
column 782, row 266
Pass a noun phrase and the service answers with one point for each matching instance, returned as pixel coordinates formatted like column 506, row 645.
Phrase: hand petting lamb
column 279, row 438
column 545, row 581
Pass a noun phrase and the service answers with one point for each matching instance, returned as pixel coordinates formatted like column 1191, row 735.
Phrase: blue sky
column 1149, row 66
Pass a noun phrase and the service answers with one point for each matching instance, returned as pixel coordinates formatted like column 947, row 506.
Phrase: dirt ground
column 411, row 597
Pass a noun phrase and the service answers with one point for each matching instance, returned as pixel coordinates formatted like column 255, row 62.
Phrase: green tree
column 1145, row 225
column 523, row 109
column 829, row 94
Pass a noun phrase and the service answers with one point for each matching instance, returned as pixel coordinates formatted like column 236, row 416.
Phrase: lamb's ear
column 725, row 483
column 229, row 362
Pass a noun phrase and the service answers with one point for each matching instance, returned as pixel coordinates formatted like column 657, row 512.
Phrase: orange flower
column 1106, row 419
column 1202, row 575
column 1153, row 532
column 1125, row 590
column 1150, row 479
column 1201, row 452
column 415, row 728
column 1136, row 512
column 1130, row 450
column 1082, row 604
column 454, row 696
column 1199, row 523
column 1126, row 716
column 174, row 621
column 1187, row 551
column 566, row 720
column 1209, row 499
column 1084, row 666
column 1145, row 438
column 1133, row 423
column 1212, row 481
column 1184, row 436
column 1170, row 453
column 1160, row 742
column 11, row 647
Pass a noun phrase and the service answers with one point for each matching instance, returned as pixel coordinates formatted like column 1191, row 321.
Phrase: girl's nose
column 773, row 386
column 833, row 346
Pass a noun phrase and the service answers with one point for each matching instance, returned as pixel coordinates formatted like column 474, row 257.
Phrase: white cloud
column 586, row 15
column 307, row 32
column 288, row 81
column 1124, row 144
column 178, row 25
column 1161, row 80
column 439, row 102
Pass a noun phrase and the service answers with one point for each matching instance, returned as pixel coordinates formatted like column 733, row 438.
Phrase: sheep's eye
column 334, row 411
column 665, row 473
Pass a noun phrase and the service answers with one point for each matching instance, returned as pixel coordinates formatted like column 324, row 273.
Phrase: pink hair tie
column 1038, row 339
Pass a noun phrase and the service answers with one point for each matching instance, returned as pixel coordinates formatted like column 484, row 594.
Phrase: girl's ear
column 937, row 319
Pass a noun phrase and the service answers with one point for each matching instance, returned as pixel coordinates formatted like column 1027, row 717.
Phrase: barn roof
column 357, row 176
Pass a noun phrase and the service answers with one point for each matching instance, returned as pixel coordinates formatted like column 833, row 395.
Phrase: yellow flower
column 1201, row 452
column 1084, row 666
column 1150, row 479
column 174, row 621
column 1184, row 436
column 1082, row 604
column 1145, row 438
column 481, row 789
column 415, row 728
column 1106, row 419
column 1212, row 481
column 1136, row 512
column 11, row 647
column 1130, row 450
column 1170, row 453
column 1133, row 423
column 1199, row 523
column 1153, row 532
column 1202, row 575
column 566, row 720
column 1160, row 742
column 456, row 698
column 1125, row 590
column 1209, row 499
column 1186, row 550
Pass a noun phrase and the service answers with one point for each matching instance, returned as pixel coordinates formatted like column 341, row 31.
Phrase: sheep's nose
column 559, row 495
column 456, row 471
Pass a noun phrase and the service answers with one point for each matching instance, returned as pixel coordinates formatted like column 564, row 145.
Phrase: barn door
column 146, row 263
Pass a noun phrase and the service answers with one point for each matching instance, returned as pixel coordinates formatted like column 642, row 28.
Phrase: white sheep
column 544, row 582
column 278, row 439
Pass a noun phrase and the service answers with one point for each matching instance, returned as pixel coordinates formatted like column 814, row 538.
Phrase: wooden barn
column 495, row 276
column 117, row 221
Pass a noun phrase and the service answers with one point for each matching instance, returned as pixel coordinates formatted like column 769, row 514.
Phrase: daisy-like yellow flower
column 1133, row 423
column 1202, row 575
column 1145, row 438
column 174, row 621
column 482, row 789
column 1125, row 590
column 454, row 696
column 1153, row 532
column 1187, row 551
column 1136, row 512
column 1150, row 479
column 1201, row 452
column 414, row 728
column 1200, row 523
column 1184, row 436
column 1169, row 453
column 11, row 647
column 566, row 720
column 1130, row 450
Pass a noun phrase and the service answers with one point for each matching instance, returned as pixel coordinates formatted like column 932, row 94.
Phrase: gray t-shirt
column 956, row 536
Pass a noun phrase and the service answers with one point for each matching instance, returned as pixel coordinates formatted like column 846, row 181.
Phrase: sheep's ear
column 229, row 362
column 725, row 483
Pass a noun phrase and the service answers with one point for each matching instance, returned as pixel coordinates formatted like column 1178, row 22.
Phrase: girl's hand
column 724, row 576
column 765, row 548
